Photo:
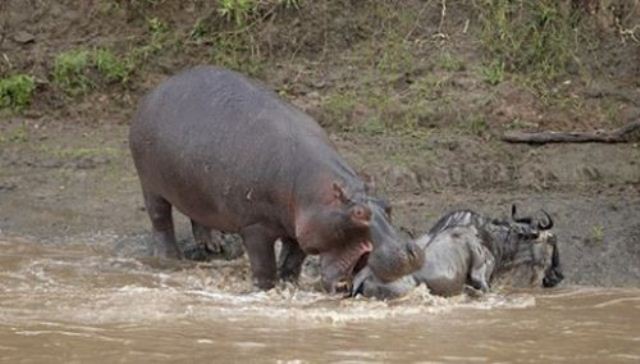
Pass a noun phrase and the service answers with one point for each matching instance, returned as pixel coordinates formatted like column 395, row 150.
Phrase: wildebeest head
column 532, row 250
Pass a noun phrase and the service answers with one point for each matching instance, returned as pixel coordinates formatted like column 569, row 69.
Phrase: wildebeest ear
column 361, row 215
column 339, row 193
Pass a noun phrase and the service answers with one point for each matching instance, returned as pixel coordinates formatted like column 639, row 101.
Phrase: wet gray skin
column 466, row 250
column 234, row 157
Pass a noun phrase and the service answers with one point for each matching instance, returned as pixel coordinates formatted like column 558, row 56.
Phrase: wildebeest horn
column 524, row 220
column 549, row 223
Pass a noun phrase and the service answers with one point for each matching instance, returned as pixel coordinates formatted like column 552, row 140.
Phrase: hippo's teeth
column 351, row 260
column 342, row 286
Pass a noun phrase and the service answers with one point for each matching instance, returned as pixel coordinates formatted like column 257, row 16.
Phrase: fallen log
column 619, row 135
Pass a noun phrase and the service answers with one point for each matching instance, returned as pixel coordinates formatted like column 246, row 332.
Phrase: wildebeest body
column 466, row 249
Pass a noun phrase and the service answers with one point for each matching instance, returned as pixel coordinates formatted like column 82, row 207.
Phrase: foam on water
column 71, row 302
column 86, row 284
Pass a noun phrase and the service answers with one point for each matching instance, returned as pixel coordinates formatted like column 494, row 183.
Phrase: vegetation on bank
column 400, row 68
column 16, row 91
column 78, row 71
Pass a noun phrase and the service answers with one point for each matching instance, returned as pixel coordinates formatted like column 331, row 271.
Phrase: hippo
column 464, row 249
column 233, row 157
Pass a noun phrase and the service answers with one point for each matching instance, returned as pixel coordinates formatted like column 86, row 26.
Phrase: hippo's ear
column 339, row 194
column 369, row 181
column 360, row 215
column 386, row 206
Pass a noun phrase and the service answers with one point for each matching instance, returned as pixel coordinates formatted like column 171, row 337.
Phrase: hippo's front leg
column 290, row 261
column 258, row 242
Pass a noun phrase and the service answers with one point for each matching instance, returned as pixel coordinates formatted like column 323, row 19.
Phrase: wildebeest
column 464, row 248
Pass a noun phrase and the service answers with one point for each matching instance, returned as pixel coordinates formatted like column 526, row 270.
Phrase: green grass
column 290, row 4
column 238, row 11
column 200, row 29
column 19, row 134
column 243, row 12
column 237, row 51
column 597, row 234
column 80, row 152
column 338, row 108
column 373, row 126
column 70, row 71
column 477, row 124
column 493, row 73
column 110, row 67
column 451, row 63
column 159, row 36
column 78, row 71
column 156, row 26
column 529, row 37
column 16, row 92
column 396, row 55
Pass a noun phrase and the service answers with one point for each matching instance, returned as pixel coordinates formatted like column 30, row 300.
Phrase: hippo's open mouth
column 341, row 265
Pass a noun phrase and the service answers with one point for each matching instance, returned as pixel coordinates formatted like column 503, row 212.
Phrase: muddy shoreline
column 60, row 183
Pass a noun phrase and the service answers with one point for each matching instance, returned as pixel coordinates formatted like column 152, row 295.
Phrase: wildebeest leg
column 164, row 237
column 290, row 261
column 258, row 242
column 212, row 244
column 204, row 239
column 482, row 265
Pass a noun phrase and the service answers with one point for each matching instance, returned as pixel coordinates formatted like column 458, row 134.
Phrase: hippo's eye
column 360, row 214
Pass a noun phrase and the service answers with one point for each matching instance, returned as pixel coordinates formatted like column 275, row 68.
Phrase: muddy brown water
column 77, row 302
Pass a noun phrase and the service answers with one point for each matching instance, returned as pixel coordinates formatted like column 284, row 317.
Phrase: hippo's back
column 208, row 102
column 207, row 138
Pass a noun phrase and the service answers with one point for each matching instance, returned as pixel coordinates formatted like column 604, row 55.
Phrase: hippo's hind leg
column 164, row 237
column 259, row 243
column 290, row 260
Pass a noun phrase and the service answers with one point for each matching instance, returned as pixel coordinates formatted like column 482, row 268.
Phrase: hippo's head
column 536, row 258
column 351, row 232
